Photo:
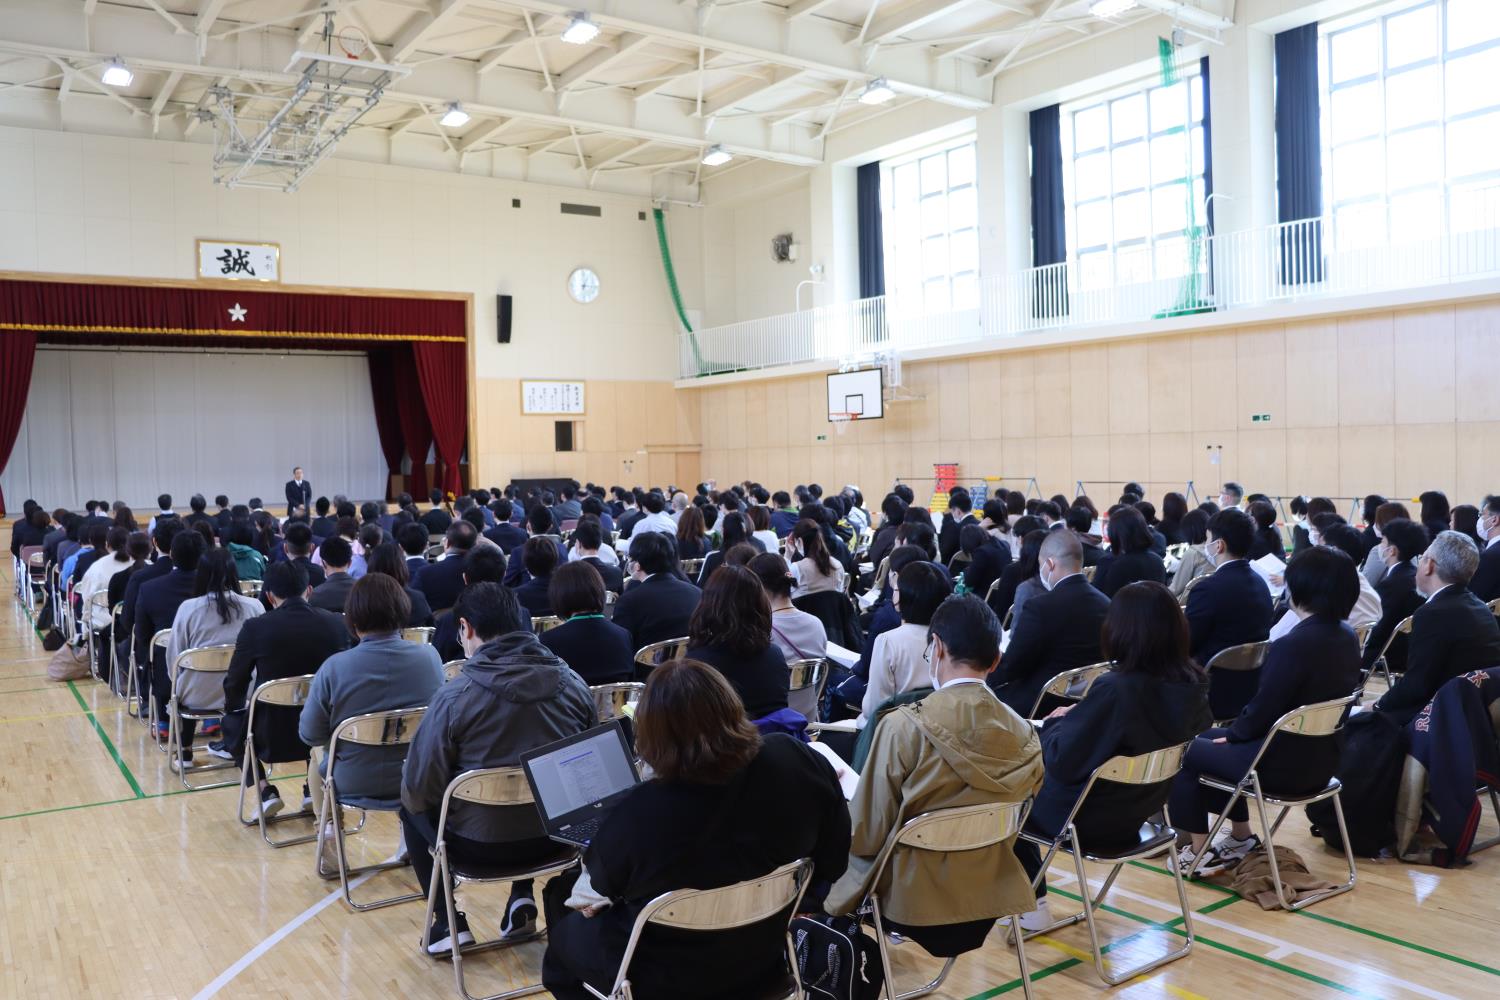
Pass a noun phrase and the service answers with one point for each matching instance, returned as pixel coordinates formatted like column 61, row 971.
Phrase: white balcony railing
column 1292, row 261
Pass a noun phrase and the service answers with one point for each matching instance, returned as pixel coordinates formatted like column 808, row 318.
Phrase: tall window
column 1411, row 111
column 1133, row 177
column 931, row 220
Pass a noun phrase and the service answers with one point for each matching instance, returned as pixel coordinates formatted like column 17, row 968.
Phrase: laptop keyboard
column 584, row 832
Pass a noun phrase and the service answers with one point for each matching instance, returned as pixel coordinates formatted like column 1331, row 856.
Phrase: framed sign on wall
column 232, row 261
column 540, row 396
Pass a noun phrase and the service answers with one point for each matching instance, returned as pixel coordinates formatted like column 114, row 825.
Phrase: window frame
column 915, row 289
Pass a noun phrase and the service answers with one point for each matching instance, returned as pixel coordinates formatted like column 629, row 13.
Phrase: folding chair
column 375, row 729
column 805, row 693
column 287, row 692
column 610, row 700
column 993, row 589
column 251, row 588
column 99, row 602
column 691, row 568
column 1072, row 685
column 1189, row 588
column 1322, row 719
column 497, row 787
column 1156, row 768
column 1362, row 634
column 1494, row 606
column 451, row 669
column 1403, row 627
column 1238, row 659
column 208, row 660
column 419, row 634
column 118, row 684
column 649, row 657
column 158, row 641
column 947, row 831
column 542, row 623
column 1088, row 573
column 733, row 906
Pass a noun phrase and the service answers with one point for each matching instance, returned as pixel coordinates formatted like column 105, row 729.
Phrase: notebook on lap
column 576, row 781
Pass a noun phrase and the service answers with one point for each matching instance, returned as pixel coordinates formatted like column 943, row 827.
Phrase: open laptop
column 576, row 781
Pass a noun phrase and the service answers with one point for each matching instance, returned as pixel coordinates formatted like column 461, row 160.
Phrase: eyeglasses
column 927, row 650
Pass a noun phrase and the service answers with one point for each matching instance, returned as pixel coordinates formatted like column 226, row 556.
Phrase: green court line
column 106, row 802
column 1015, row 983
column 1211, row 907
column 108, row 744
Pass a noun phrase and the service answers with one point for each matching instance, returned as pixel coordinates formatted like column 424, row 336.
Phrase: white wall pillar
column 1244, row 131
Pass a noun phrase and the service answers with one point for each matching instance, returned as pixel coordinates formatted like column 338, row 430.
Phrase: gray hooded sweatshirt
column 513, row 695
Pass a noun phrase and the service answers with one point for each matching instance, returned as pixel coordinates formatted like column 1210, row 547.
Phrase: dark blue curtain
column 1049, row 226
column 871, row 235
column 1299, row 153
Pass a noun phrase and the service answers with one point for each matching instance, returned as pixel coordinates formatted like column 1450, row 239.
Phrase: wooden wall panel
column 1089, row 376
column 1366, row 391
column 1312, row 348
column 1476, row 344
column 1424, row 366
column 1260, row 367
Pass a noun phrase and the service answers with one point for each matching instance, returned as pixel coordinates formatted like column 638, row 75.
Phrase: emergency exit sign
column 1260, row 418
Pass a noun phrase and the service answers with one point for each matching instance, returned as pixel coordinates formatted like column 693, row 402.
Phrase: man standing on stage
column 298, row 493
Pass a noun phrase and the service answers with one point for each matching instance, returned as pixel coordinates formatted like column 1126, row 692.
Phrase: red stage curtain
column 441, row 372
column 412, row 412
column 17, row 351
column 387, row 418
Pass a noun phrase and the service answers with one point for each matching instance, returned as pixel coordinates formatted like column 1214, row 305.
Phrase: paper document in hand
column 1266, row 566
column 838, row 654
column 848, row 777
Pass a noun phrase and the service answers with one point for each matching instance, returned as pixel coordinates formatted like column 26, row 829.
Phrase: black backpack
column 1372, row 755
column 836, row 959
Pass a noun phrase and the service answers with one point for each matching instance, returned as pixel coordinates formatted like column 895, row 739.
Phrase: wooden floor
column 116, row 882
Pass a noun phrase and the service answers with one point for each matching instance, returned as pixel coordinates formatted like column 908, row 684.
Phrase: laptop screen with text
column 581, row 773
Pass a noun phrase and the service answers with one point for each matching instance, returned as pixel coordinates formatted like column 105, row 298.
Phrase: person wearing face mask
column 1055, row 631
column 1375, row 567
column 1229, row 608
column 1486, row 581
column 1402, row 541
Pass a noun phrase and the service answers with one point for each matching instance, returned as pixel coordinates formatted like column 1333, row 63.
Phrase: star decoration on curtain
column 237, row 313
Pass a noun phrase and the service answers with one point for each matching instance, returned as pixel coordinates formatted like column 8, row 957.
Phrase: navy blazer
column 986, row 565
column 599, row 651
column 156, row 605
column 1055, row 631
column 1451, row 634
column 1230, row 607
column 441, row 581
column 138, row 579
column 508, row 536
column 656, row 609
column 1485, row 584
column 1131, row 567
column 533, row 596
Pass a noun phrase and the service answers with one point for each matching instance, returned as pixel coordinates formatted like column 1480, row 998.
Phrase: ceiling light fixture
column 716, row 156
column 877, row 91
column 117, row 74
column 454, row 117
column 580, row 30
column 1112, row 8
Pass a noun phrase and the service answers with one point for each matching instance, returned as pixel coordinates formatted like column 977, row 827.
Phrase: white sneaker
column 1233, row 851
column 1038, row 919
column 520, row 919
column 270, row 804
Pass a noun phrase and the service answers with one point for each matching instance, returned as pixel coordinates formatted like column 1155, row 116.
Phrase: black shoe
column 270, row 803
column 520, row 919
column 440, row 942
column 219, row 749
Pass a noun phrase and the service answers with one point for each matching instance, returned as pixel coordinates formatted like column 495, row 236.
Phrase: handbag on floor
column 70, row 663
column 836, row 959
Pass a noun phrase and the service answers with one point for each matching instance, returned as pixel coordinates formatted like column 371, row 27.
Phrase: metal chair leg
column 330, row 806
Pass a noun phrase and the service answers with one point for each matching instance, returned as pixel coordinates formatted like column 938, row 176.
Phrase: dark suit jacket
column 614, row 579
column 656, row 609
column 315, row 573
column 333, row 593
column 138, row 579
column 421, row 611
column 508, row 536
column 156, row 605
column 441, row 581
column 323, row 527
column 599, row 651
column 985, row 566
column 1056, row 631
column 1399, row 600
column 948, row 535
column 1451, row 634
column 762, row 681
column 298, row 495
column 1131, row 567
column 533, row 596
column 1486, row 582
column 287, row 641
column 1231, row 607
column 436, row 521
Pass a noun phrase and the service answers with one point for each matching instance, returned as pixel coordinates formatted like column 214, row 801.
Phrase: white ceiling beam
column 802, row 8
column 408, row 118
column 910, row 18
column 599, row 60
column 746, row 90
column 501, row 49
column 424, row 26
column 193, row 121
column 66, row 87
column 666, row 80
column 208, row 13
column 483, row 132
column 163, row 95
column 626, row 151
column 1036, row 25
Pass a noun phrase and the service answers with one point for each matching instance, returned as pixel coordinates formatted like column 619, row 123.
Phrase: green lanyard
column 577, row 618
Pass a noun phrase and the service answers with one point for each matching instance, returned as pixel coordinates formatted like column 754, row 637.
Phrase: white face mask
column 1314, row 537
column 1481, row 530
column 1209, row 552
column 1047, row 584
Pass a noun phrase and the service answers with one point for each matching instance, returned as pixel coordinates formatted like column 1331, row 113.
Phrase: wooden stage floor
column 116, row 882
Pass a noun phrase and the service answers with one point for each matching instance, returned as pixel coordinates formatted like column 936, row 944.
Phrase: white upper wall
column 97, row 204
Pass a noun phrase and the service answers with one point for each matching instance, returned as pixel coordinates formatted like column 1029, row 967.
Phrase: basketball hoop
column 841, row 421
column 353, row 41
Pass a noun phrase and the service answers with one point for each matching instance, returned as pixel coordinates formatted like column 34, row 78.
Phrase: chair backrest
column 1190, row 585
column 1404, row 625
column 160, row 641
column 1009, row 620
column 491, row 786
column 1321, row 719
column 251, row 588
column 541, row 623
column 1248, row 656
column 203, row 660
column 610, row 699
column 289, row 692
column 419, row 634
column 1494, row 606
column 1088, row 573
column 1362, row 633
column 610, row 597
column 661, row 652
column 993, row 589
column 1072, row 684
column 100, row 600
column 691, row 568
column 1158, row 767
column 806, row 685
column 452, row 667
column 378, row 729
column 731, row 906
column 966, row 828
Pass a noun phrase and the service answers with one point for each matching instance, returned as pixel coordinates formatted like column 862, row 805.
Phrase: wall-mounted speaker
column 502, row 317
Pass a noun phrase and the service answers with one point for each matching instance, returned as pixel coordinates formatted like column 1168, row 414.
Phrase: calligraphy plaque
column 231, row 261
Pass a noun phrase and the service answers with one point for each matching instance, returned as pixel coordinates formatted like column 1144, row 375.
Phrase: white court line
column 281, row 932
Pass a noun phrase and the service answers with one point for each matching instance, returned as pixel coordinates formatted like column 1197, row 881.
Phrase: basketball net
column 841, row 422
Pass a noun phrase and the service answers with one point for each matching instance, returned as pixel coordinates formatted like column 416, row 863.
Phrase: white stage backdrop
column 129, row 425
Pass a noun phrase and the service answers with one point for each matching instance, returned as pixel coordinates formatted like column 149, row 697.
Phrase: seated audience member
column 658, row 603
column 1453, row 632
column 1173, row 509
column 249, row 562
column 333, row 592
column 505, row 534
column 1375, row 566
column 1080, row 521
column 799, row 635
column 290, row 640
column 715, row 780
column 1230, row 608
column 1020, row 581
column 1154, row 697
column 539, row 555
column 1316, row 661
column 437, row 520
column 369, row 536
column 898, row 657
column 165, row 511
column 441, row 581
column 382, row 673
column 1194, row 562
column 734, row 531
column 299, row 549
column 1267, row 538
column 655, row 520
column 1434, row 512
column 958, row 746
column 138, row 550
column 30, row 531
column 539, row 524
column 1402, row 542
column 512, row 695
column 959, row 514
column 1464, row 519
column 322, row 525
column 731, row 632
column 1486, row 581
column 784, row 517
column 692, row 539
column 100, row 575
column 1231, row 496
column 1367, row 611
column 413, row 541
column 988, row 558
column 597, row 649
column 386, row 558
column 97, row 538
column 760, row 525
column 213, row 616
column 156, row 609
column 1054, row 631
column 812, row 565
column 588, row 547
column 893, row 515
column 197, row 505
column 483, row 565
column 1131, row 559
column 1370, row 537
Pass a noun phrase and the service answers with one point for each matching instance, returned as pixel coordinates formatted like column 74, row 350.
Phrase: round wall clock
column 583, row 285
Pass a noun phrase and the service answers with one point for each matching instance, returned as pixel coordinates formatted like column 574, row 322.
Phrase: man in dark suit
column 1079, row 520
column 540, row 557
column 298, row 493
column 156, row 605
column 333, row 592
column 988, row 557
column 505, row 534
column 223, row 516
column 1230, row 607
column 1401, row 542
column 161, row 544
column 588, row 538
column 1451, row 634
column 292, row 639
column 436, row 520
column 298, row 546
column 413, row 541
column 323, row 525
column 441, row 581
column 658, row 605
column 567, row 508
column 482, row 565
column 1486, row 582
column 959, row 513
column 1056, row 631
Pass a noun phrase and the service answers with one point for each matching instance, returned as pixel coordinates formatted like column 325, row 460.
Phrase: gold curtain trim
column 228, row 333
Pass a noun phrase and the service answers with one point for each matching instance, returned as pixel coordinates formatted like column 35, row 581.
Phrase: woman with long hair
column 1131, row 559
column 1173, row 508
column 796, row 633
column 1020, row 581
column 387, row 558
column 692, row 538
column 731, row 631
column 813, row 567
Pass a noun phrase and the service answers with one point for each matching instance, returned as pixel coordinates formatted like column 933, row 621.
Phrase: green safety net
column 1192, row 297
column 666, row 264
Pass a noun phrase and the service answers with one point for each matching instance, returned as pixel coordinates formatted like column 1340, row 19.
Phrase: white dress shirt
column 896, row 666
